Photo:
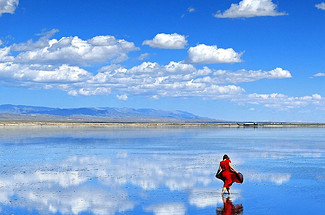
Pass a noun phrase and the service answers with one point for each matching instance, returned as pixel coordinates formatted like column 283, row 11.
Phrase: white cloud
column 223, row 76
column 35, row 73
column 167, row 41
column 143, row 56
column 279, row 73
column 41, row 64
column 68, row 50
column 281, row 101
column 251, row 8
column 175, row 79
column 316, row 97
column 316, row 75
column 203, row 54
column 8, row 6
column 320, row 6
column 88, row 91
column 175, row 67
column 122, row 97
column 31, row 45
column 4, row 55
column 74, row 50
column 191, row 9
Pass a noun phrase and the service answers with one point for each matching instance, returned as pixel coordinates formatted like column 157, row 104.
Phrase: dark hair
column 225, row 157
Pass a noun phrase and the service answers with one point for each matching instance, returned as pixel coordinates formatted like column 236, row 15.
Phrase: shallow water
column 160, row 171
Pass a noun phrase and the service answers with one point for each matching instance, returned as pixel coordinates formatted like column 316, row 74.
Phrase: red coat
column 227, row 175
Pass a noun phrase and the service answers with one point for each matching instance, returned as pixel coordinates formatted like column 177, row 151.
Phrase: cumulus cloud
column 204, row 54
column 30, row 45
column 74, row 50
column 250, row 8
column 167, row 41
column 41, row 65
column 35, row 73
column 4, row 55
column 176, row 79
column 320, row 6
column 8, row 6
column 68, row 50
column 224, row 76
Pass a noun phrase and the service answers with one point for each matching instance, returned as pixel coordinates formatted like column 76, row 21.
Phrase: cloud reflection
column 277, row 178
column 167, row 208
column 56, row 194
column 104, row 184
column 209, row 197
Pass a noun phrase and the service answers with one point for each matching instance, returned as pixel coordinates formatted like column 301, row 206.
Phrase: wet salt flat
column 160, row 171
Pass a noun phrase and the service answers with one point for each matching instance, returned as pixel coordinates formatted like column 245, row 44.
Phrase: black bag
column 240, row 177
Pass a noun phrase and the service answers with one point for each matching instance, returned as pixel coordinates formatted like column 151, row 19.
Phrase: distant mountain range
column 103, row 114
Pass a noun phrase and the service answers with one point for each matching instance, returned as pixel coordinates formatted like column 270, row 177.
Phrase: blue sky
column 250, row 60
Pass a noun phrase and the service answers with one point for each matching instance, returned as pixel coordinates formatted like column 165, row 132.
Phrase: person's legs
column 223, row 190
column 227, row 184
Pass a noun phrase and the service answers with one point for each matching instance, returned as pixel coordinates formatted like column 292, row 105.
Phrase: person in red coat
column 228, row 174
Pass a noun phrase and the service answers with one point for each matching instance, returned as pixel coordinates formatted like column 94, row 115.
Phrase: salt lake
column 160, row 170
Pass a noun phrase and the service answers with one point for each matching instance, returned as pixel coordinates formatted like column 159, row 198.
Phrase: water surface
column 160, row 171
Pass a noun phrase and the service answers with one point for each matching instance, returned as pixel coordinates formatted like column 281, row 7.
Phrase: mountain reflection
column 229, row 208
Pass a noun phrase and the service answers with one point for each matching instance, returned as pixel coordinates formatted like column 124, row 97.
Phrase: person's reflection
column 228, row 208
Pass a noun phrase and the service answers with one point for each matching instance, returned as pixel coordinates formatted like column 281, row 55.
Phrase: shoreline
column 5, row 124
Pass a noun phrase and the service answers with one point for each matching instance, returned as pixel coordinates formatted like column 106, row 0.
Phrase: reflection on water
column 157, row 171
column 229, row 208
column 167, row 208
